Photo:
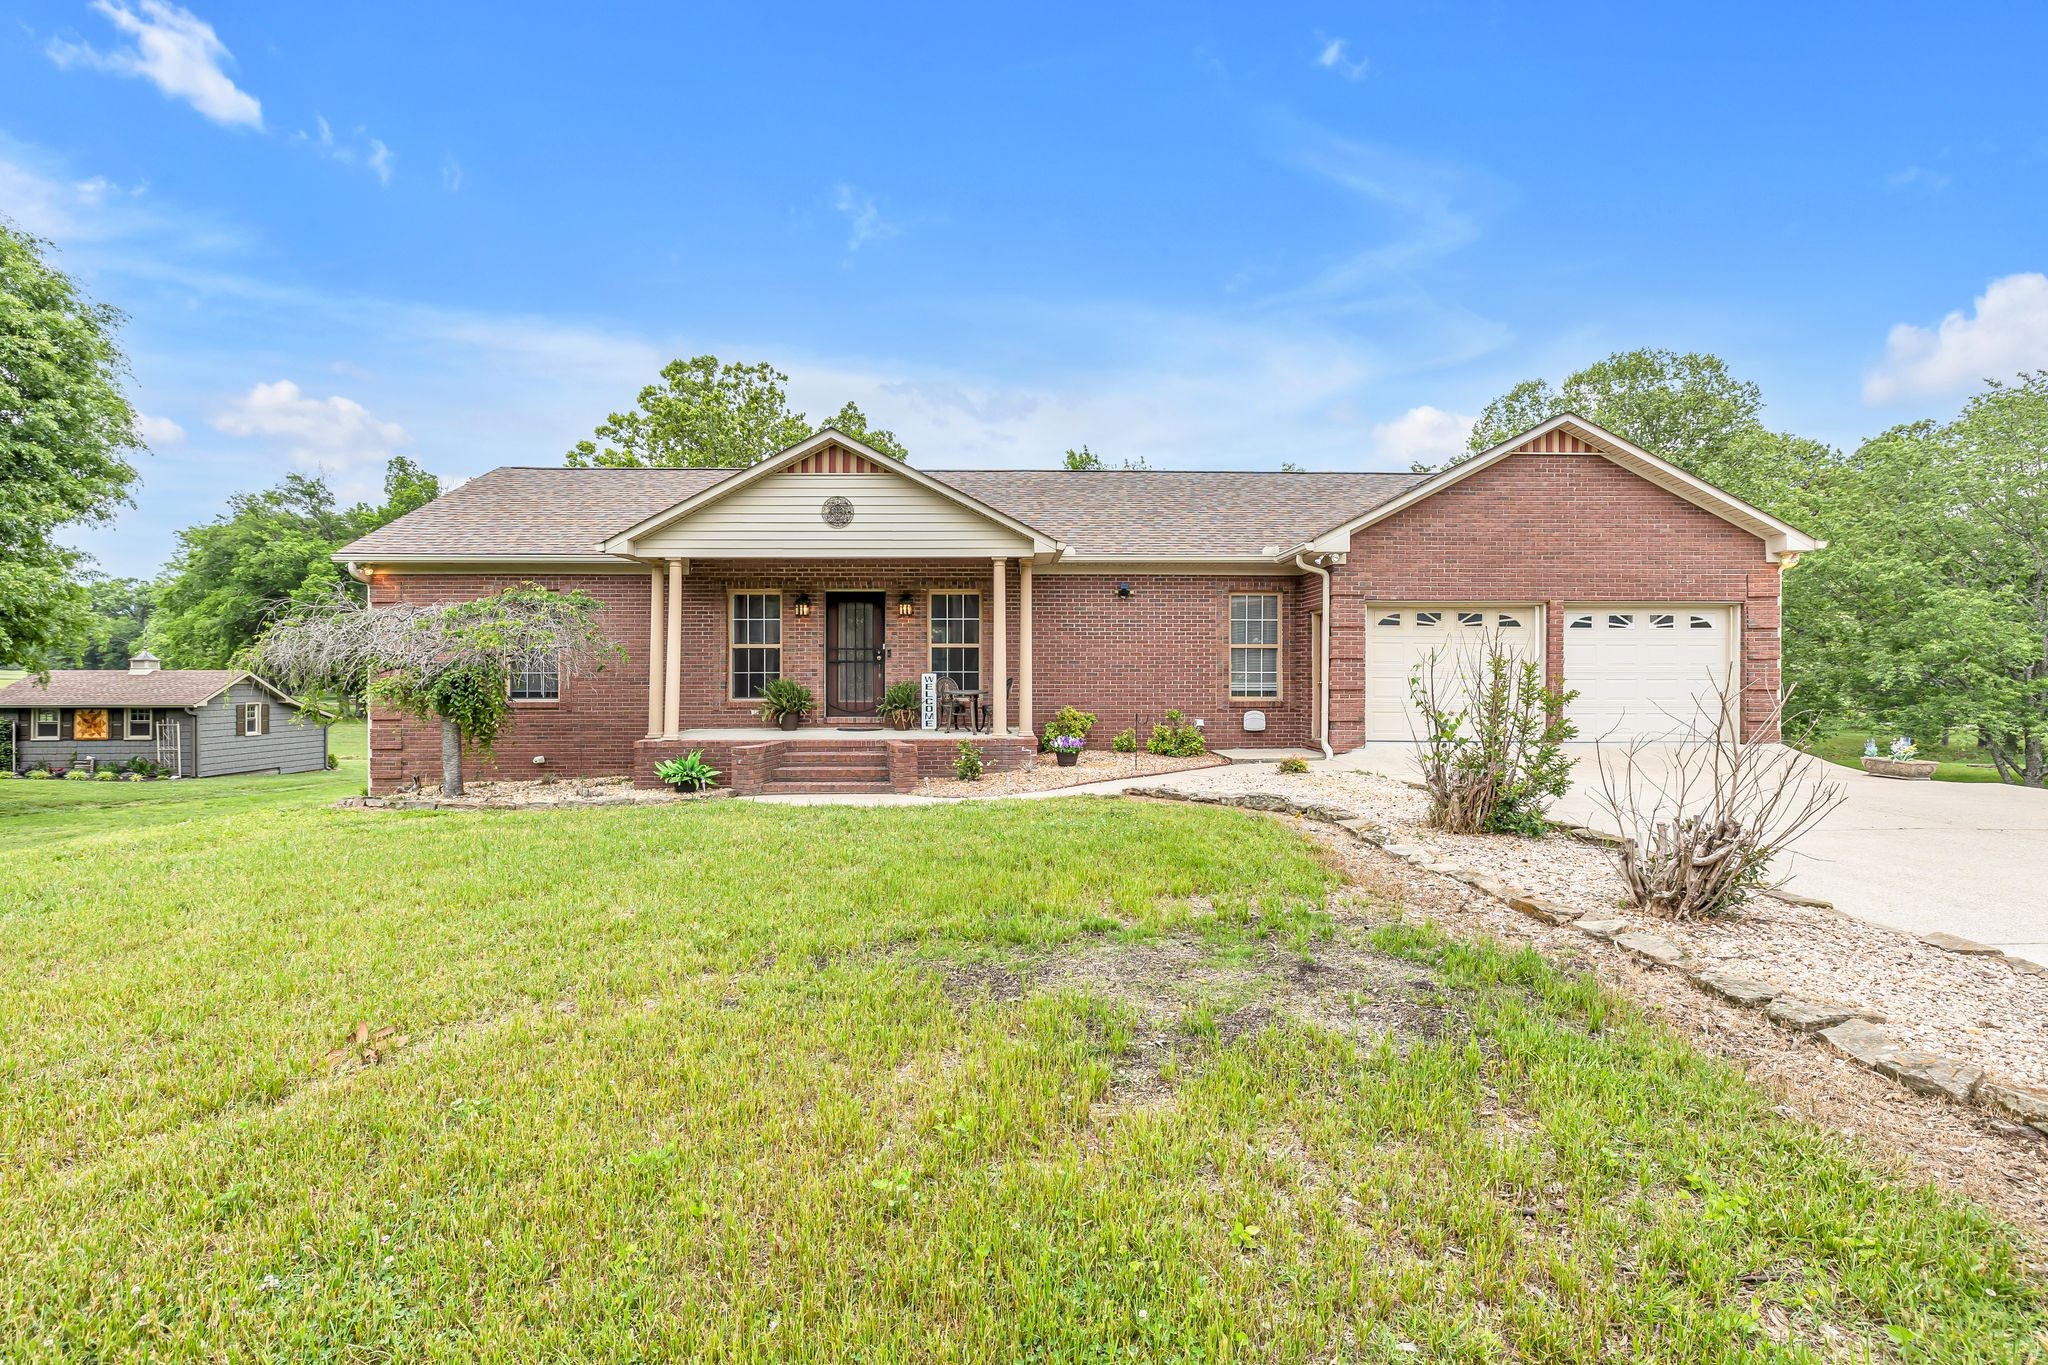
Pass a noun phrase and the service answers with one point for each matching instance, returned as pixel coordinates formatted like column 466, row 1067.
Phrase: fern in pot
column 899, row 704
column 785, row 702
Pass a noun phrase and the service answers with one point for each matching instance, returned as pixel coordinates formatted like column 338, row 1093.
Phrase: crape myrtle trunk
column 451, row 758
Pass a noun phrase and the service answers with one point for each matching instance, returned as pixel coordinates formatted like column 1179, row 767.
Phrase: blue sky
column 1220, row 237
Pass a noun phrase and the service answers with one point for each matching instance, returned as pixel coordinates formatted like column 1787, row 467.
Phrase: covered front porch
column 826, row 760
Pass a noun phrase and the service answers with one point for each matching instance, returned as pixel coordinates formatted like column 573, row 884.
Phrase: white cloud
column 451, row 174
column 865, row 222
column 1916, row 177
column 1421, row 435
column 174, row 50
column 335, row 436
column 1335, row 55
column 371, row 152
column 2007, row 333
column 158, row 431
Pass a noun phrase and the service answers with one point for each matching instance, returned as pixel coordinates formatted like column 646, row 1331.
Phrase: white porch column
column 672, row 670
column 999, row 686
column 657, row 652
column 1025, row 724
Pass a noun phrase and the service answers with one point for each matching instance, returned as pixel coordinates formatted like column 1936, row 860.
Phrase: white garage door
column 1646, row 672
column 1398, row 638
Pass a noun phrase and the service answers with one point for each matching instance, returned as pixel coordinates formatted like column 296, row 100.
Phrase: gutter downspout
column 1322, row 653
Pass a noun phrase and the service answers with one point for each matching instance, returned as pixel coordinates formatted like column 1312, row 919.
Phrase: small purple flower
column 1068, row 742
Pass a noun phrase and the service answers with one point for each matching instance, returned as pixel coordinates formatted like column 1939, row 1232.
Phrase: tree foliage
column 65, row 430
column 117, row 611
column 270, row 549
column 704, row 413
column 447, row 662
column 1086, row 460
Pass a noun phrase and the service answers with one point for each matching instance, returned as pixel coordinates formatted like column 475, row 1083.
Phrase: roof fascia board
column 621, row 543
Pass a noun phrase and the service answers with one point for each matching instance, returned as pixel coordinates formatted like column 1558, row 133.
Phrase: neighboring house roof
column 119, row 687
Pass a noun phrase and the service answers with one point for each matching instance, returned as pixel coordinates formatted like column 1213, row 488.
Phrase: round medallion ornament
column 837, row 512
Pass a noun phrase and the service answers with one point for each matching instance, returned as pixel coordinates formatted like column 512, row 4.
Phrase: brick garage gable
column 1553, row 528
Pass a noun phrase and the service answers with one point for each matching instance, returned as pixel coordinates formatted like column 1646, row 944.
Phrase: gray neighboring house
column 198, row 722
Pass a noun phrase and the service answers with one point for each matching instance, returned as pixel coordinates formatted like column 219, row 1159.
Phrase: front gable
column 830, row 498
column 1571, row 435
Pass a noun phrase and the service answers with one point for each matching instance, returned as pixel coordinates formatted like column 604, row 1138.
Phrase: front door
column 854, row 652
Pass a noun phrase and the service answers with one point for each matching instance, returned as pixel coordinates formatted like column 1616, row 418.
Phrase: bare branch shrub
column 1705, row 817
column 1491, row 747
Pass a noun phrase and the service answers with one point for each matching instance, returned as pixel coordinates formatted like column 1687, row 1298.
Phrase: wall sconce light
column 803, row 604
column 1123, row 590
column 906, row 605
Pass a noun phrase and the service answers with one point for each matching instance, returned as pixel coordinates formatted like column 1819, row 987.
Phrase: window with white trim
column 1428, row 618
column 1621, row 620
column 1702, row 623
column 1471, row 618
column 1254, row 645
column 756, row 650
column 138, row 723
column 1392, row 618
column 955, row 632
column 1663, row 620
column 255, row 718
column 47, row 726
column 538, row 678
column 1508, row 622
column 1583, row 621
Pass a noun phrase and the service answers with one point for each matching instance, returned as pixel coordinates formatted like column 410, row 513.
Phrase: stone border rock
column 1854, row 1033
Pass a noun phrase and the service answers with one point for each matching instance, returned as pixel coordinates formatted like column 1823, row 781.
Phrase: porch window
column 538, row 678
column 46, row 725
column 138, row 723
column 756, row 642
column 956, row 638
column 1254, row 645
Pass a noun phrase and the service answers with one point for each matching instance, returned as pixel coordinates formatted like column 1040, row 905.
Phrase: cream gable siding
column 782, row 516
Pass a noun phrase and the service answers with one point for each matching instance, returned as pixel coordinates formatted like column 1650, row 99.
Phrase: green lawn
column 41, row 814
column 1958, row 763
column 1052, row 1080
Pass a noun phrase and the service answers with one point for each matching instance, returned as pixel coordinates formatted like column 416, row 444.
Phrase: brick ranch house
column 1279, row 609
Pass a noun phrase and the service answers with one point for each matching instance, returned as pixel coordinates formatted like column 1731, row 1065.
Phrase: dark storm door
column 854, row 652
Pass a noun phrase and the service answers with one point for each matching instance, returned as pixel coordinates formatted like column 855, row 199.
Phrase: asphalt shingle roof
column 521, row 511
column 118, row 687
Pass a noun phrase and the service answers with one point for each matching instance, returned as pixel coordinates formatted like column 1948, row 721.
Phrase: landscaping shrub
column 105, row 775
column 1176, row 737
column 1293, row 765
column 968, row 764
column 786, row 697
column 39, row 774
column 687, row 773
column 1125, row 743
column 1492, row 747
column 1069, row 721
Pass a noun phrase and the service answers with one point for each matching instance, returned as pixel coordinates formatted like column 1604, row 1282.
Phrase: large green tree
column 117, row 610
column 270, row 549
column 65, row 430
column 1929, row 609
column 708, row 413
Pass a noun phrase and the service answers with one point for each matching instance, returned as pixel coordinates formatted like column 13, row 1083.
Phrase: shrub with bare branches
column 446, row 662
column 1704, row 814
column 1491, row 745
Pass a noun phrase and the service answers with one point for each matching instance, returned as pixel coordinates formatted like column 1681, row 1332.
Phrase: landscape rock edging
column 1849, row 1031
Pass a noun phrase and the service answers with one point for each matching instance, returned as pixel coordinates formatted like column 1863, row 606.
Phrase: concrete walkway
column 1969, row 858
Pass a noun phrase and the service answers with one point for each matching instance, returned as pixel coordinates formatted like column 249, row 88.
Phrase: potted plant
column 690, row 773
column 899, row 704
column 1902, row 761
column 785, row 702
column 1066, row 749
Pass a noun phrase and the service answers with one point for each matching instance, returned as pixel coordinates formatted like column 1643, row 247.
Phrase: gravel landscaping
column 1047, row 775
column 578, row 791
column 1981, row 1009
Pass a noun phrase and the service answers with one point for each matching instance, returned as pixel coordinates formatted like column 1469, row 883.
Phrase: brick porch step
column 778, row 787
column 830, row 772
column 834, row 755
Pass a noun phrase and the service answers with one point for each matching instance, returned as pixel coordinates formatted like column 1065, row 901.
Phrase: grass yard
column 1954, row 763
column 1055, row 1080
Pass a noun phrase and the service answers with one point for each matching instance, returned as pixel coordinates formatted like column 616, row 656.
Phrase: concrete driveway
column 1970, row 858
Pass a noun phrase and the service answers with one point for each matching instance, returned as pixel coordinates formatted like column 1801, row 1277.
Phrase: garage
column 1645, row 672
column 1400, row 637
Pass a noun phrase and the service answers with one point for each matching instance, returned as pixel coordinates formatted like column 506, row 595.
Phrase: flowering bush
column 1904, row 748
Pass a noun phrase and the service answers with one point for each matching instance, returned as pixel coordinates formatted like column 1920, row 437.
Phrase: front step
column 829, row 769
column 838, row 755
column 775, row 786
column 830, row 772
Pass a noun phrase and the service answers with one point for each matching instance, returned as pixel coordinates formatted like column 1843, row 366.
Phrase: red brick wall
column 1555, row 528
column 1167, row 646
column 589, row 733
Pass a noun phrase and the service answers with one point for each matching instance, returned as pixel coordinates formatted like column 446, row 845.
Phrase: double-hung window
column 537, row 678
column 956, row 638
column 46, row 725
column 1254, row 645
column 756, row 649
column 138, row 723
column 254, row 718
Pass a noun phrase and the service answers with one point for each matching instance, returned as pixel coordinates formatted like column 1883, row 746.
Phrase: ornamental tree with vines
column 446, row 662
